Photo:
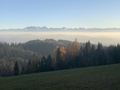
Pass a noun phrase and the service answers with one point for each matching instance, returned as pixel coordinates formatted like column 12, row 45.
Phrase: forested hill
column 23, row 52
column 26, row 50
column 44, row 47
column 33, row 56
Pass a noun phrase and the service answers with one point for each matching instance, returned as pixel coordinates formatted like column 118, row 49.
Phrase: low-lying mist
column 106, row 38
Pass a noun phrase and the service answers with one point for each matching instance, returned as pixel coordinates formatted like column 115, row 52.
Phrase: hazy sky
column 60, row 13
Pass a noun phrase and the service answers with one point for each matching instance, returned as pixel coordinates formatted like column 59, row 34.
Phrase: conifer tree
column 16, row 68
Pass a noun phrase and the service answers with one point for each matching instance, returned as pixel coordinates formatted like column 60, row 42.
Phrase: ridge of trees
column 73, row 55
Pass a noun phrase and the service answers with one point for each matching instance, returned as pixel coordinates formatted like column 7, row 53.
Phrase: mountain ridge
column 44, row 28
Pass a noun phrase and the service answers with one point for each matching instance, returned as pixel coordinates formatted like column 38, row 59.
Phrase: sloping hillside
column 91, row 78
column 44, row 47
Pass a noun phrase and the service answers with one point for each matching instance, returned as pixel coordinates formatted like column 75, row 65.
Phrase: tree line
column 66, row 57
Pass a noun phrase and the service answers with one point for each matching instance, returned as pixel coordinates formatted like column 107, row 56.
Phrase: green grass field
column 90, row 78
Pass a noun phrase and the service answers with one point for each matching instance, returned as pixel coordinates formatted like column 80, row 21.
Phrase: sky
column 60, row 13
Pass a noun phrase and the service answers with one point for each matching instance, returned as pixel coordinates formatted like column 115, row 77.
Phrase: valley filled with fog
column 106, row 38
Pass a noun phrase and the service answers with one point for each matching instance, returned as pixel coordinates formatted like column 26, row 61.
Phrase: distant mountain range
column 44, row 28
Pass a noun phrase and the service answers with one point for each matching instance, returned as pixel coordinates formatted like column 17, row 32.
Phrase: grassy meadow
column 91, row 78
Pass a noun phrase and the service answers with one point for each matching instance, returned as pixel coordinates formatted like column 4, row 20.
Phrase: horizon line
column 59, row 28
